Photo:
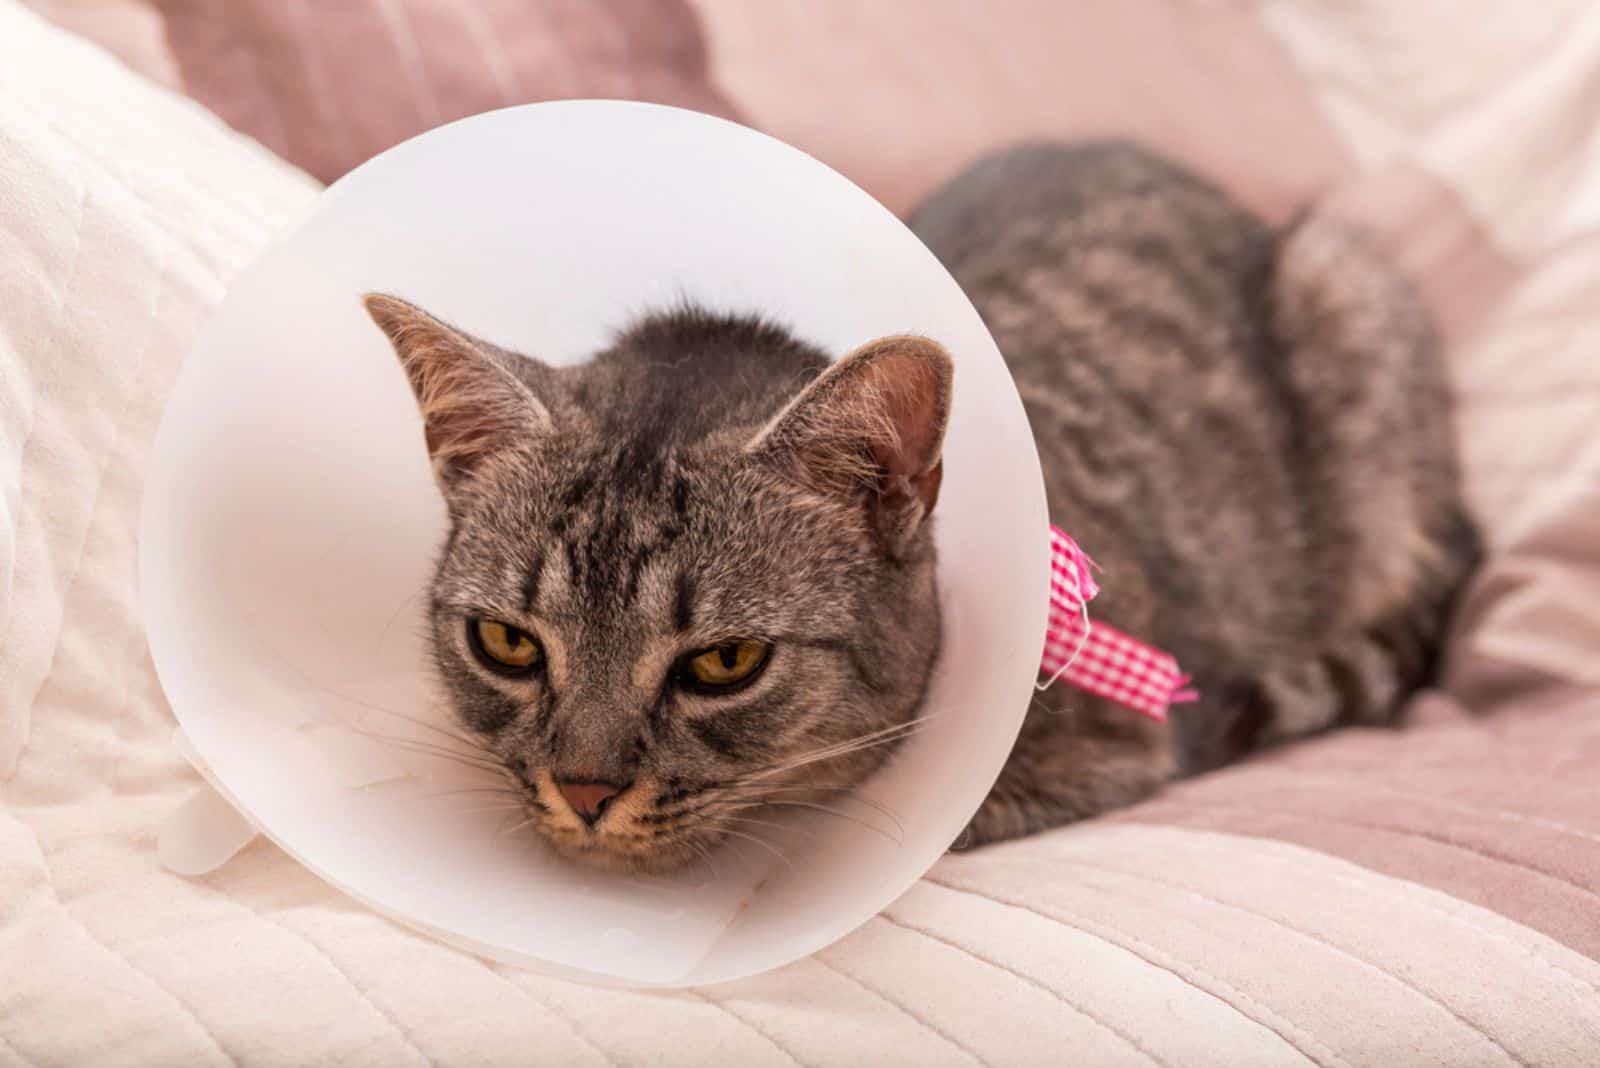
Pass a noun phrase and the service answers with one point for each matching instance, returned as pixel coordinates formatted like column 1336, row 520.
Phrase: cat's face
column 664, row 617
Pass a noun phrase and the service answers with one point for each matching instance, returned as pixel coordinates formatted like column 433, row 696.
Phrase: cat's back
column 1123, row 293
column 1056, row 227
column 1248, row 429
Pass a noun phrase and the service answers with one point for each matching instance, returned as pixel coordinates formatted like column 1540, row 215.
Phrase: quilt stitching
column 22, row 718
column 10, row 1047
column 250, row 231
column 324, row 956
column 105, row 461
column 1153, row 956
column 176, row 230
column 1301, row 778
column 68, row 279
column 245, row 212
column 904, row 1008
column 268, row 918
column 1081, row 1010
column 404, row 1034
column 572, row 1025
column 748, row 1024
column 1471, row 1025
column 1526, row 951
column 249, row 910
column 187, row 1010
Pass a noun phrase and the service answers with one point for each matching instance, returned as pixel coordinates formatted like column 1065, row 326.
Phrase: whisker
column 362, row 702
column 774, row 824
column 415, row 745
column 507, row 791
column 453, row 758
column 768, row 846
column 369, row 732
column 828, row 752
column 758, row 799
column 850, row 745
column 744, row 861
column 742, row 796
column 395, row 615
column 407, row 746
column 490, row 808
column 306, row 678
column 454, row 736
column 898, row 840
column 763, row 790
column 514, row 828
column 716, row 873
column 474, row 797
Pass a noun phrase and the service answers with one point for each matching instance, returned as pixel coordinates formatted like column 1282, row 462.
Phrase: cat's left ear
column 472, row 405
column 870, row 429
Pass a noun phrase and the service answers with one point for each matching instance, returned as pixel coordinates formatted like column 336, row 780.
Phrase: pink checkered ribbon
column 1098, row 657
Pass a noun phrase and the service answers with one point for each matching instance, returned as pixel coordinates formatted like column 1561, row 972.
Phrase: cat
column 687, row 579
column 694, row 576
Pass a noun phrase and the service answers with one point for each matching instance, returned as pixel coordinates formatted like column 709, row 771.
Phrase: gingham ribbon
column 1098, row 657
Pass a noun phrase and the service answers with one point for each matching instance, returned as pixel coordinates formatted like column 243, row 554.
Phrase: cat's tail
column 1362, row 365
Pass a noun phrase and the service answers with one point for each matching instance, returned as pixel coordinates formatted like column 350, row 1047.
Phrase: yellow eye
column 724, row 666
column 503, row 647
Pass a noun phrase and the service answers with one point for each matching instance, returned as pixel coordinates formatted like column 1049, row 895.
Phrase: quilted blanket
column 1423, row 896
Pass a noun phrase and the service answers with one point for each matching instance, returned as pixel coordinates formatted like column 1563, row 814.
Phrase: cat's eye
column 504, row 648
column 724, row 667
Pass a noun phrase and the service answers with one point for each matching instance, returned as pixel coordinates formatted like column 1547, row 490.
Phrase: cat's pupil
column 729, row 655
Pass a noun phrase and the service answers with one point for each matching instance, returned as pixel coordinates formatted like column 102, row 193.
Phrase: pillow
column 900, row 96
column 1483, row 185
column 119, row 231
column 327, row 84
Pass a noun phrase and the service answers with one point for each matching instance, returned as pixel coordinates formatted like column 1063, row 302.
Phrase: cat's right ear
column 471, row 404
column 870, row 430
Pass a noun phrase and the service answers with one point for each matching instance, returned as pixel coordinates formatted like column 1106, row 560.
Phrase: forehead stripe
column 530, row 584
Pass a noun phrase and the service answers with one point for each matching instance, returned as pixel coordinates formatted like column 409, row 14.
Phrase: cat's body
column 1251, row 435
column 1249, row 431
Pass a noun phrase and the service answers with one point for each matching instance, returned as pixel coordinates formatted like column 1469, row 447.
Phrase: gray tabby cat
column 694, row 577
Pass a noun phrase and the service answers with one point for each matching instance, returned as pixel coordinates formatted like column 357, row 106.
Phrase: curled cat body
column 693, row 578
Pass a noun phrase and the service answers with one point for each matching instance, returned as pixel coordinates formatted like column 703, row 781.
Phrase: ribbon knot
column 1097, row 657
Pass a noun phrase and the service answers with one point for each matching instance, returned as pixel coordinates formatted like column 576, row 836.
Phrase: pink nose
column 588, row 799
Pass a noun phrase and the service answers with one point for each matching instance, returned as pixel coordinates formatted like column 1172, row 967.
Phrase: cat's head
column 689, row 579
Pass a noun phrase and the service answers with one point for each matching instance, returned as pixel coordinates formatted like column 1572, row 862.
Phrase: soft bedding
column 1425, row 896
column 330, row 83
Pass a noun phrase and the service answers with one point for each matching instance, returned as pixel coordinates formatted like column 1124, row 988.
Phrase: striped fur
column 1249, row 430
column 705, row 479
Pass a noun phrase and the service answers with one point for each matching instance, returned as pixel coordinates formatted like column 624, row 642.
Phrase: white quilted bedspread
column 124, row 211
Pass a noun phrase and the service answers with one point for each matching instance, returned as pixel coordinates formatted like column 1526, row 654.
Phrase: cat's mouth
column 657, row 828
column 628, row 834
column 611, row 853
